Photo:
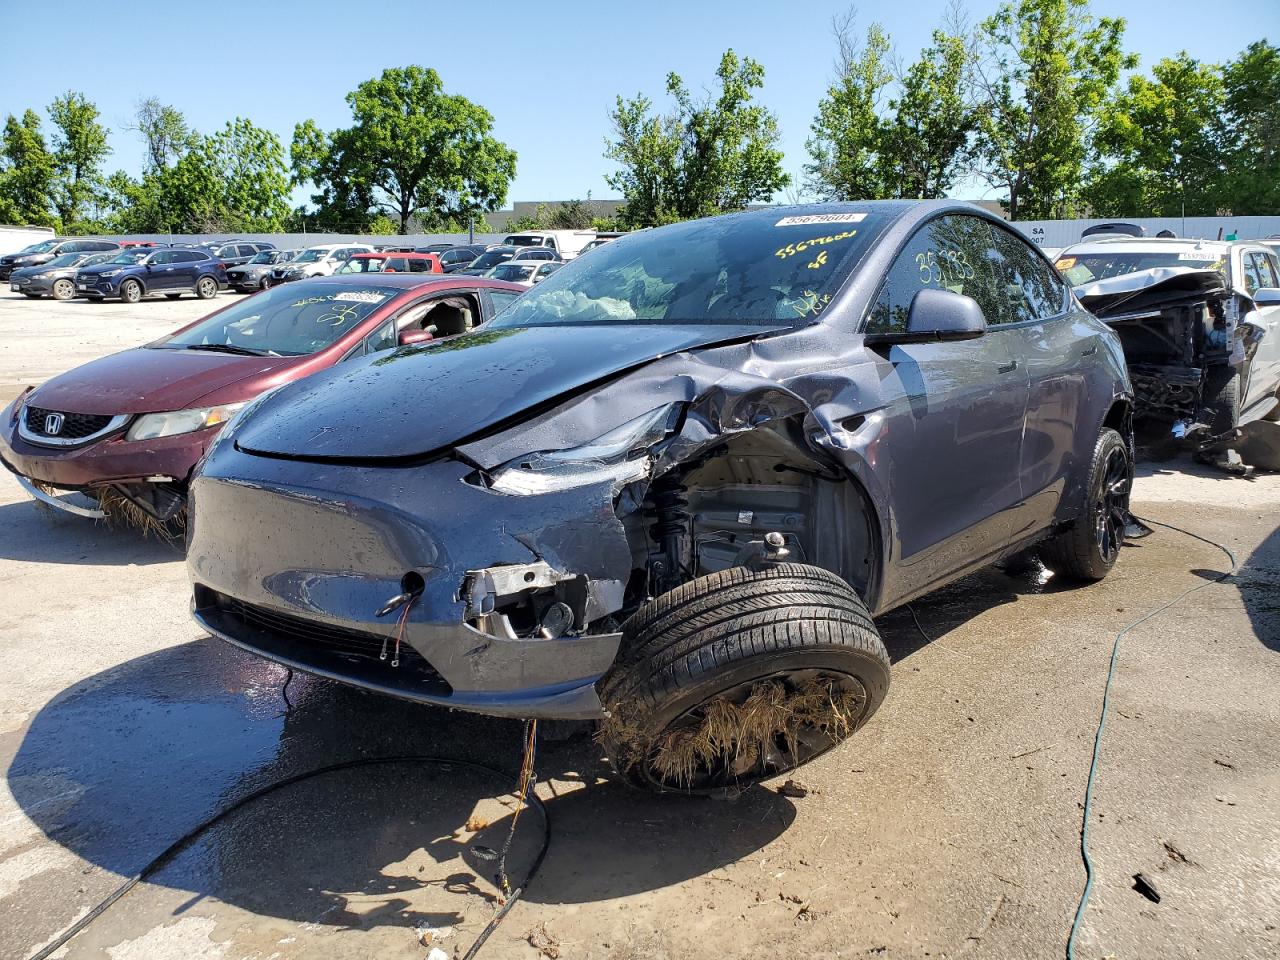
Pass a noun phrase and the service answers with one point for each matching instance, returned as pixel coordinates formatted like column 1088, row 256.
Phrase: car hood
column 418, row 400
column 153, row 380
column 42, row 268
column 104, row 267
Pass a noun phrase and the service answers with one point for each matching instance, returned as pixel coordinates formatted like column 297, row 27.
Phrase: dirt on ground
column 949, row 826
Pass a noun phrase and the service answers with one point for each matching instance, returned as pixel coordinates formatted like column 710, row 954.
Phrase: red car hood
column 153, row 380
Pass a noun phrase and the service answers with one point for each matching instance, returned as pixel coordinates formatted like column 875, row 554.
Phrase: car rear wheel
column 131, row 291
column 739, row 676
column 63, row 290
column 1089, row 549
column 207, row 288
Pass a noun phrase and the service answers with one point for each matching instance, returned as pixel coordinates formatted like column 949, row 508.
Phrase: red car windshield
column 285, row 321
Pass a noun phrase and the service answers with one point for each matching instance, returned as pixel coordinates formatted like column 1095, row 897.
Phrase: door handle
column 1009, row 367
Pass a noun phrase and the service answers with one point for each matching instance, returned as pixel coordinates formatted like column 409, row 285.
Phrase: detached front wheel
column 1089, row 549
column 740, row 676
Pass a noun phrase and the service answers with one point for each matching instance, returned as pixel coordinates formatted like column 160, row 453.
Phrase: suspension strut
column 669, row 565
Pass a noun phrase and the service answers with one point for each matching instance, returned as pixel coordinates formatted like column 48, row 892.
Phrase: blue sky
column 549, row 72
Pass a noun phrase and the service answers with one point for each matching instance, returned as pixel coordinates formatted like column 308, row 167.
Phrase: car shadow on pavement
column 1259, row 582
column 120, row 765
column 41, row 534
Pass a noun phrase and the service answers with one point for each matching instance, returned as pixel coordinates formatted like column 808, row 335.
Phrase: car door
column 952, row 412
column 1068, row 390
column 1264, row 370
column 187, row 265
column 160, row 270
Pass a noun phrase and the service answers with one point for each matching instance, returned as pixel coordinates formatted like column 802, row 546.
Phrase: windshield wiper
column 228, row 348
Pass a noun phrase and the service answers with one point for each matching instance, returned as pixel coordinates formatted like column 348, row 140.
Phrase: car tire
column 63, row 290
column 206, row 288
column 794, row 636
column 1221, row 399
column 131, row 291
column 1088, row 550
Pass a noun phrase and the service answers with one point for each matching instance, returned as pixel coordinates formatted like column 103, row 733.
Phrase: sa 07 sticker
column 820, row 218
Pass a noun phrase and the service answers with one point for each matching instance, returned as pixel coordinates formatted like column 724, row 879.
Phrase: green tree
column 929, row 123
column 1162, row 141
column 846, row 136
column 234, row 180
column 165, row 132
column 79, row 147
column 26, row 173
column 1252, row 89
column 875, row 137
column 343, row 202
column 704, row 157
column 1046, row 67
column 412, row 149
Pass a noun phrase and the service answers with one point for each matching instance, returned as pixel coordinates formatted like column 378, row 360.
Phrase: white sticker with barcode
column 360, row 296
column 820, row 218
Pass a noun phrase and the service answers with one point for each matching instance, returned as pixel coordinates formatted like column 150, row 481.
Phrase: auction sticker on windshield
column 821, row 218
column 360, row 296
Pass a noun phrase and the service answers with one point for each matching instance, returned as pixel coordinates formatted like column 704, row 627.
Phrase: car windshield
column 44, row 247
column 64, row 260
column 310, row 256
column 522, row 240
column 136, row 255
column 266, row 256
column 512, row 271
column 363, row 265
column 490, row 259
column 1082, row 268
column 291, row 320
column 753, row 268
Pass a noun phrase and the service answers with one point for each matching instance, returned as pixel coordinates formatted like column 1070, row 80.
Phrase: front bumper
column 111, row 461
column 291, row 561
column 95, row 286
column 39, row 285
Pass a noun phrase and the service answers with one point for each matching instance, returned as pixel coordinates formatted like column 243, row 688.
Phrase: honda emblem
column 53, row 424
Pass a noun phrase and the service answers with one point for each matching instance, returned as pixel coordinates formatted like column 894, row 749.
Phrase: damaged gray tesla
column 670, row 487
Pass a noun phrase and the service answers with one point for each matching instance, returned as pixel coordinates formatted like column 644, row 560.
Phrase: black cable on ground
column 188, row 838
column 1102, row 720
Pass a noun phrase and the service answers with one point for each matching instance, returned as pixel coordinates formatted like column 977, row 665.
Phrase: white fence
column 1063, row 233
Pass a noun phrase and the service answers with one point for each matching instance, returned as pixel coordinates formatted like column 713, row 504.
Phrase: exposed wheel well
column 714, row 512
column 1120, row 418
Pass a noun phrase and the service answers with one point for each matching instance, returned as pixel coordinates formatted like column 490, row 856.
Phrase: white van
column 567, row 243
column 13, row 239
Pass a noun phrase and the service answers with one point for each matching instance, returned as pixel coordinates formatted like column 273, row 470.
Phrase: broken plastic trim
column 620, row 456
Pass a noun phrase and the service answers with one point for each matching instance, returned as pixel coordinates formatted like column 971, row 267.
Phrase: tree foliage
column 26, row 173
column 704, row 157
column 876, row 137
column 1251, row 84
column 1163, row 141
column 164, row 131
column 411, row 151
column 79, row 148
column 1045, row 69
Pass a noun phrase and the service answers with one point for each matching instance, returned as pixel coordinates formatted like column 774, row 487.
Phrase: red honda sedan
column 135, row 423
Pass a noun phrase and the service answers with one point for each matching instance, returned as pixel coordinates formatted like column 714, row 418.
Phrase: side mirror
column 940, row 315
column 411, row 336
column 1267, row 296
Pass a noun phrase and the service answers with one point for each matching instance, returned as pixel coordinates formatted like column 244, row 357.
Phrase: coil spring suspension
column 670, row 531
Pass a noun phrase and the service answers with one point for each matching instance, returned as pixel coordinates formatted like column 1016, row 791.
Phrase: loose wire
column 188, row 838
column 1096, row 763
